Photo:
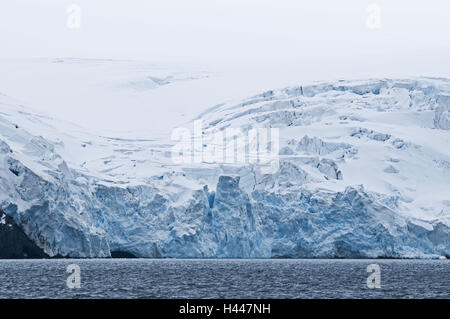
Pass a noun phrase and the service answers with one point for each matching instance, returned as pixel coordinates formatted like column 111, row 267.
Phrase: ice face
column 364, row 171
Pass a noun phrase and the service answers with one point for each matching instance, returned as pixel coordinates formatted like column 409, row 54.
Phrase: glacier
column 364, row 172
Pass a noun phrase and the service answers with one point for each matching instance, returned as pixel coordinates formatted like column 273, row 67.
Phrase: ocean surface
column 177, row 278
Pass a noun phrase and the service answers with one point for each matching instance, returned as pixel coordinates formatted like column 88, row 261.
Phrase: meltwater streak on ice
column 168, row 278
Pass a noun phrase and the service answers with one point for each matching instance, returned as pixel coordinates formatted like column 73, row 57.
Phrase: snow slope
column 364, row 172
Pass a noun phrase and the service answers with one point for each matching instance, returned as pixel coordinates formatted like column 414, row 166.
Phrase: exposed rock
column 14, row 244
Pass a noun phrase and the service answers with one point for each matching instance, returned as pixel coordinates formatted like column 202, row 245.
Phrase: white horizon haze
column 243, row 47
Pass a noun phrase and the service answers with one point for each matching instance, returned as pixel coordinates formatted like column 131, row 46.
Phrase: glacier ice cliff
column 364, row 172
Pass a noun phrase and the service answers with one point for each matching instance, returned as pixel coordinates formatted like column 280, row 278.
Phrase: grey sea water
column 175, row 278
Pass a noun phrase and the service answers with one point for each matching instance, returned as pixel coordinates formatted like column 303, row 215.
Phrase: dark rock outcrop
column 122, row 254
column 14, row 244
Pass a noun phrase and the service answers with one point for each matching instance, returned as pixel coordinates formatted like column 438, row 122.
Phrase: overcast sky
column 221, row 30
column 249, row 45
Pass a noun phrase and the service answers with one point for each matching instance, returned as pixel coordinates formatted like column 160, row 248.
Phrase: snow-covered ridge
column 364, row 172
